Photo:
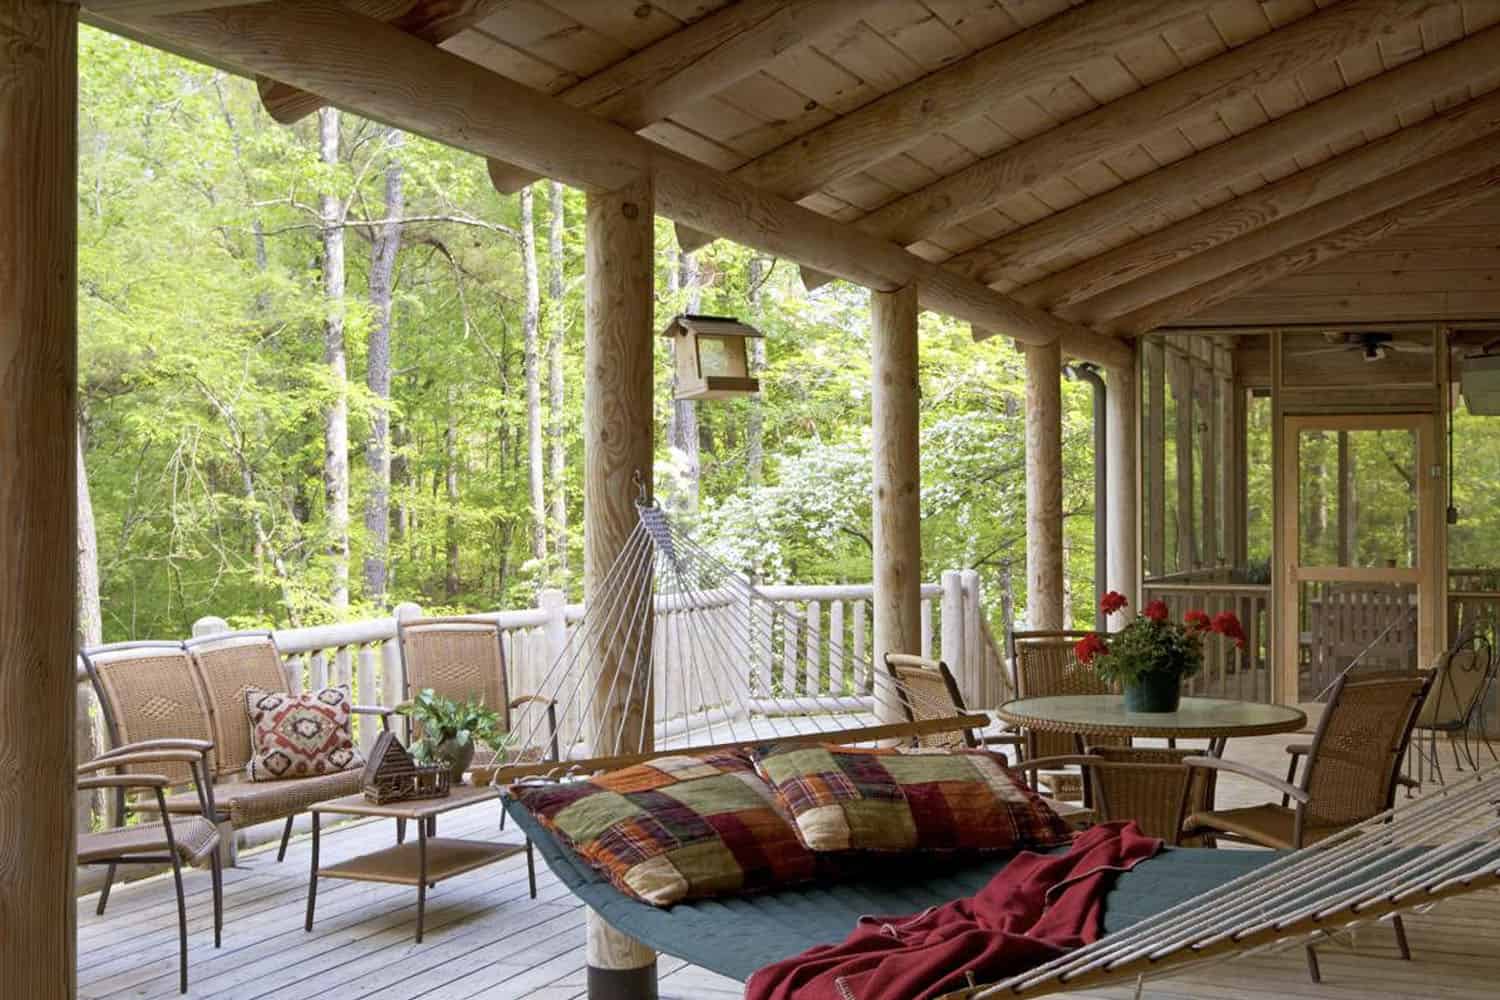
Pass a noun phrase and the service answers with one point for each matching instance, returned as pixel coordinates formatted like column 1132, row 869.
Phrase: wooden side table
column 425, row 863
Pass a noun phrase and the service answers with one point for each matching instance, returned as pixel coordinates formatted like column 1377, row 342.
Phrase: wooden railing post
column 974, row 690
column 951, row 649
column 209, row 625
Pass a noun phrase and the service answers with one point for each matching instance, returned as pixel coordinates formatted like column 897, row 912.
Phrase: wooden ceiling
column 1122, row 164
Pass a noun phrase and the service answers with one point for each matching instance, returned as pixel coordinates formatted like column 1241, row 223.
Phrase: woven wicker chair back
column 1148, row 785
column 149, row 691
column 1045, row 665
column 1356, row 756
column 1463, row 678
column 458, row 658
column 927, row 691
column 227, row 667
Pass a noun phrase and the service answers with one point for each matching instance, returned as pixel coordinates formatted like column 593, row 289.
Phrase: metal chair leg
column 109, row 880
column 1401, row 938
column 286, row 835
column 181, row 921
column 217, row 871
column 400, row 832
column 531, row 867
column 1313, row 972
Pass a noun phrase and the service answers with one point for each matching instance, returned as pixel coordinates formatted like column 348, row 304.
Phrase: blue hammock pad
column 736, row 935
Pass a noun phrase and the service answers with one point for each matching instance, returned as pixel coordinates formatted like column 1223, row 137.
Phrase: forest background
column 327, row 368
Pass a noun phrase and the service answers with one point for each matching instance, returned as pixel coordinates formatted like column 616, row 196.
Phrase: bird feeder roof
column 714, row 326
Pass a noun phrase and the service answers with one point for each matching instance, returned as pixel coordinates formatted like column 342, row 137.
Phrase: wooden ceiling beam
column 1178, row 184
column 1183, row 99
column 150, row 8
column 1287, row 260
column 432, row 21
column 697, row 62
column 1039, row 57
column 1115, row 282
column 377, row 70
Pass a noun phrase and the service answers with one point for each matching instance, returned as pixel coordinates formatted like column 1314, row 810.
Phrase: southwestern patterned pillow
column 299, row 735
column 899, row 799
column 675, row 828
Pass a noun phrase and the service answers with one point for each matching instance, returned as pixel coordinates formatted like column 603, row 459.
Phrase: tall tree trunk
column 755, row 427
column 684, row 437
column 450, row 478
column 556, row 399
column 532, row 329
column 90, row 630
column 378, row 377
column 336, row 419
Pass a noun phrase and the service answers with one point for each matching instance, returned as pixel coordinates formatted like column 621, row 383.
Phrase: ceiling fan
column 1370, row 345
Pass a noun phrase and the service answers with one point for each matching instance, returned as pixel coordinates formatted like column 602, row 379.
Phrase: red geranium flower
column 1157, row 611
column 1089, row 647
column 1112, row 602
column 1198, row 621
column 1228, row 625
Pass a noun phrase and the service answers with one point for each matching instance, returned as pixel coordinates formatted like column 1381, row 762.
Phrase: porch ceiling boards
column 1077, row 158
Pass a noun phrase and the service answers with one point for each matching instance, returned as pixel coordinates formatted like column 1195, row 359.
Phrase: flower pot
column 1157, row 691
column 458, row 758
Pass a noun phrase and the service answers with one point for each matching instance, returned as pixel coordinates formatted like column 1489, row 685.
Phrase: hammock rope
column 722, row 686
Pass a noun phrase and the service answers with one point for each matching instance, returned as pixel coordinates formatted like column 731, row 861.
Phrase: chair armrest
column 372, row 710
column 1054, row 763
column 170, row 743
column 1299, row 749
column 1246, row 771
column 1002, row 739
column 527, row 699
column 141, row 757
column 156, row 781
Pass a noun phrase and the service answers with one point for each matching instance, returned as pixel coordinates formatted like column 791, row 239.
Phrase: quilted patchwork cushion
column 675, row 828
column 901, row 799
column 300, row 735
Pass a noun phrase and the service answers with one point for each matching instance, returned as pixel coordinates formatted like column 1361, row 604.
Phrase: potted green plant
column 450, row 730
column 1151, row 655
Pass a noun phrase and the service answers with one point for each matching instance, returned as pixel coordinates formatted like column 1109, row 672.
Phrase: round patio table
column 1214, row 719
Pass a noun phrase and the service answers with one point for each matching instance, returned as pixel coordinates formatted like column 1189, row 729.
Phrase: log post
column 38, row 498
column 898, row 483
column 617, row 430
column 1044, row 536
column 1124, row 562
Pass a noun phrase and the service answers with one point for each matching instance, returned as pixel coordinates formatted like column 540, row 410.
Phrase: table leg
column 421, row 876
column 312, row 880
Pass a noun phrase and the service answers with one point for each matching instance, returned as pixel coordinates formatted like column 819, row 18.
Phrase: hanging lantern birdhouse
column 711, row 356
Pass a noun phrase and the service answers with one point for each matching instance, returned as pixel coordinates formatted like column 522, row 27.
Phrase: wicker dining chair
column 1152, row 786
column 463, row 658
column 1351, row 773
column 1044, row 665
column 1452, row 708
column 927, row 689
column 188, row 839
column 227, row 665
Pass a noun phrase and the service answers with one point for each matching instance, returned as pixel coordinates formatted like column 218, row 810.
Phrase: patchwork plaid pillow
column 299, row 735
column 900, row 799
column 675, row 828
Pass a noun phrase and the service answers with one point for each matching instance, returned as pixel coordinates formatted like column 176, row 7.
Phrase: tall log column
column 1044, row 534
column 38, row 505
column 898, row 486
column 1124, row 519
column 617, row 428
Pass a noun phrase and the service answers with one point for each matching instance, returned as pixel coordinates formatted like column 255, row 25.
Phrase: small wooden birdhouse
column 711, row 356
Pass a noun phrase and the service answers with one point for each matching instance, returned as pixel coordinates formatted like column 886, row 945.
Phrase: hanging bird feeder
column 711, row 356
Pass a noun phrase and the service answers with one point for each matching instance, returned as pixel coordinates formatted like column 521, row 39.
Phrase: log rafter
column 375, row 69
column 1443, row 201
column 1183, row 99
column 696, row 62
column 1344, row 113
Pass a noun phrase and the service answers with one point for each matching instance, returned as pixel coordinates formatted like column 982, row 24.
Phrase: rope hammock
column 664, row 579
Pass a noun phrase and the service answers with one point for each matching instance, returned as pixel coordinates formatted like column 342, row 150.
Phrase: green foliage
column 445, row 724
column 1149, row 646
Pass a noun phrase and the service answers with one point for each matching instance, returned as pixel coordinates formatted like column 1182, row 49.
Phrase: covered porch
column 1225, row 208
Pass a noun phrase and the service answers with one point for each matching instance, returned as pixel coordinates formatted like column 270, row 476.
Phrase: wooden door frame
column 1429, row 575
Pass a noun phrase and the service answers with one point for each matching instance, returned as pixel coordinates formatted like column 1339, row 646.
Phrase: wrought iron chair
column 154, row 766
column 1452, row 708
column 1352, row 770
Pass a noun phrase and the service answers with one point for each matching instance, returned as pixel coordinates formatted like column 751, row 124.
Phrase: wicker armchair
column 928, row 690
column 1045, row 665
column 1352, row 770
column 462, row 658
column 190, row 839
column 1153, row 787
column 1452, row 708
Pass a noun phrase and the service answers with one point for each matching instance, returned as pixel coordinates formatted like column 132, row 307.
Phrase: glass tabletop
column 1105, row 714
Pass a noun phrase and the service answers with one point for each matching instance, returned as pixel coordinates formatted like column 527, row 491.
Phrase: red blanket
column 1036, row 908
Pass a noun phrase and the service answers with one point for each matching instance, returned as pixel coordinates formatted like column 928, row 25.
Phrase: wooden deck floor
column 486, row 938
